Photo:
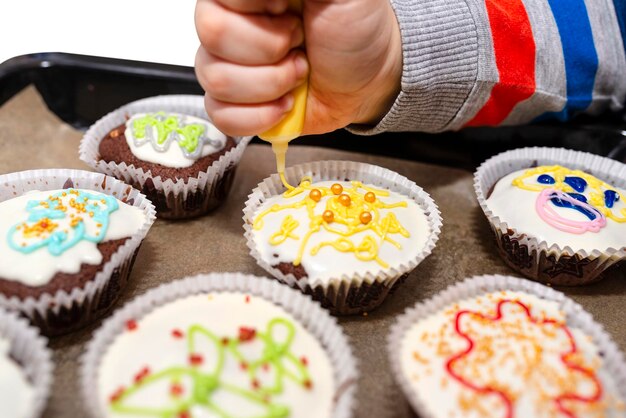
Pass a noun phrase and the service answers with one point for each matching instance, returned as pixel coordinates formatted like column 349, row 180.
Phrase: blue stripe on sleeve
column 579, row 52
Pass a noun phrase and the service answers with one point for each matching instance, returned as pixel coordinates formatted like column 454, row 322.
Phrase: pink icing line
column 550, row 216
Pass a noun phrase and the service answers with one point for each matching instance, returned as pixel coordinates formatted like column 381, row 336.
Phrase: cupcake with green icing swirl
column 166, row 147
column 174, row 352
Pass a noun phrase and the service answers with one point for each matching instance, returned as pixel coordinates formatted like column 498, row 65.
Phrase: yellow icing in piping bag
column 291, row 126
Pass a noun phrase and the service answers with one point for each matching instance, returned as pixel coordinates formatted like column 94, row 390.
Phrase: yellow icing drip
column 596, row 196
column 346, row 220
column 286, row 231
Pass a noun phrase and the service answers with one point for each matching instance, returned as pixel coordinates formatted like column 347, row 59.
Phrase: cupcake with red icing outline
column 498, row 346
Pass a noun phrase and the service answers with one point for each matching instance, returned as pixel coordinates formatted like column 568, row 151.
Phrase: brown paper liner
column 539, row 260
column 64, row 312
column 173, row 199
column 346, row 294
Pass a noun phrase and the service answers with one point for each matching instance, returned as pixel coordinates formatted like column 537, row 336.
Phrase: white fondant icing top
column 39, row 266
column 516, row 207
column 329, row 263
column 174, row 156
column 520, row 358
column 233, row 375
column 16, row 392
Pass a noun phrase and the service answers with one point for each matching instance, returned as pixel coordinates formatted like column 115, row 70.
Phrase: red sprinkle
column 176, row 389
column 131, row 325
column 243, row 365
column 247, row 299
column 246, row 334
column 176, row 333
column 184, row 414
column 196, row 359
column 255, row 384
column 117, row 394
column 304, row 361
column 143, row 373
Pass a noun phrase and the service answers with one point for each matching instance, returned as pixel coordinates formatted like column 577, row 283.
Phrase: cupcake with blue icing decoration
column 166, row 147
column 559, row 216
column 68, row 240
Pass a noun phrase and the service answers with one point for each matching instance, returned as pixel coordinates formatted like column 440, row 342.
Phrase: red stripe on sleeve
column 514, row 48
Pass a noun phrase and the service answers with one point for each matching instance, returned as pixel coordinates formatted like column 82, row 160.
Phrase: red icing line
column 564, row 358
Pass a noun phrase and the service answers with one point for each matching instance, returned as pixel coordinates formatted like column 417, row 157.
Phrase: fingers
column 233, row 83
column 248, row 39
column 243, row 120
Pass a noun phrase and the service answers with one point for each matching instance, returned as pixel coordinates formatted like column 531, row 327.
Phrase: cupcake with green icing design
column 174, row 353
column 166, row 147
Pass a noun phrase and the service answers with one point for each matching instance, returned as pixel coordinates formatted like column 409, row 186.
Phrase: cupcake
column 25, row 368
column 69, row 239
column 347, row 234
column 174, row 353
column 166, row 147
column 559, row 216
column 497, row 346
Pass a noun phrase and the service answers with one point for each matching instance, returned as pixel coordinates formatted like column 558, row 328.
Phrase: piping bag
column 290, row 127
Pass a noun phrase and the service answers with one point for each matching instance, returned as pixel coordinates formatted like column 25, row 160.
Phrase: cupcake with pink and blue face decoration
column 559, row 216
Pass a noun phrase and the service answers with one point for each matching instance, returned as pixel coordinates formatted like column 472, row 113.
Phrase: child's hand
column 249, row 62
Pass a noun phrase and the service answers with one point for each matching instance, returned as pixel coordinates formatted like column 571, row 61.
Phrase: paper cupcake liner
column 313, row 318
column 29, row 349
column 63, row 311
column 540, row 260
column 346, row 294
column 575, row 315
column 183, row 198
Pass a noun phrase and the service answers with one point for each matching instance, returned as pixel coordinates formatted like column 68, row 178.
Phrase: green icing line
column 165, row 126
column 205, row 384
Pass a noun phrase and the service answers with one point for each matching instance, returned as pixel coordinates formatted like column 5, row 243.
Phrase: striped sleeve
column 506, row 62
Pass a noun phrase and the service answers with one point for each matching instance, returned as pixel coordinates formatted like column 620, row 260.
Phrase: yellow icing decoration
column 559, row 173
column 346, row 219
column 286, row 231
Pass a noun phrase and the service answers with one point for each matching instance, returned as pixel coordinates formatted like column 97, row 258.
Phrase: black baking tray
column 80, row 89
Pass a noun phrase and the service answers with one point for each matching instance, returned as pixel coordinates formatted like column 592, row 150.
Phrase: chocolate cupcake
column 498, row 346
column 173, row 352
column 69, row 239
column 166, row 147
column 559, row 216
column 347, row 234
column 25, row 368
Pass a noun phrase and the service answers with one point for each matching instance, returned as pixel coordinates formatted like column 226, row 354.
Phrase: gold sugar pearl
column 365, row 217
column 345, row 200
column 114, row 133
column 315, row 195
column 336, row 188
column 370, row 197
column 328, row 216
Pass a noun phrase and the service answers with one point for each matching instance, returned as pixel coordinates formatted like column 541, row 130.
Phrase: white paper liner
column 310, row 315
column 576, row 317
column 496, row 167
column 207, row 183
column 335, row 290
column 30, row 350
column 91, row 297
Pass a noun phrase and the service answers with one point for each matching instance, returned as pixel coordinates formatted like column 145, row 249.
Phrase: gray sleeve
column 440, row 66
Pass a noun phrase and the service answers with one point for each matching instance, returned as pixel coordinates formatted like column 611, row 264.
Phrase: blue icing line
column 546, row 179
column 563, row 204
column 58, row 241
column 576, row 183
column 610, row 197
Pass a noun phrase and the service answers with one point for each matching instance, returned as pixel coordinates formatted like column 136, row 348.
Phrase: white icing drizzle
column 516, row 207
column 174, row 156
column 38, row 267
column 151, row 344
column 430, row 342
column 16, row 392
column 329, row 263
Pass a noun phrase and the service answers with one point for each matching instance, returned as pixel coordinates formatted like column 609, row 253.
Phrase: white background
column 145, row 30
